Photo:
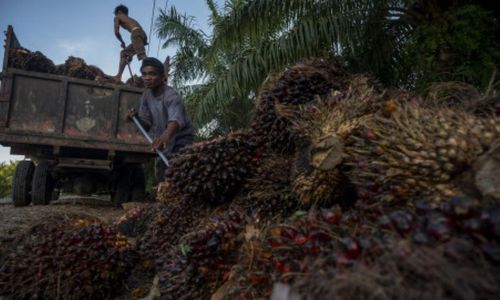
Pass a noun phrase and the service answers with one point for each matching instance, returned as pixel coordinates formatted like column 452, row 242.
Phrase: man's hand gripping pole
column 146, row 135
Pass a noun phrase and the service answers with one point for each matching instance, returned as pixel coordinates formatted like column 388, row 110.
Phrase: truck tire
column 21, row 183
column 122, row 188
column 138, row 184
column 43, row 184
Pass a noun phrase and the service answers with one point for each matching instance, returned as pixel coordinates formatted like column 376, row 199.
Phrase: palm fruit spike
column 325, row 126
column 417, row 150
column 212, row 171
column 201, row 258
column 164, row 227
column 267, row 193
column 298, row 85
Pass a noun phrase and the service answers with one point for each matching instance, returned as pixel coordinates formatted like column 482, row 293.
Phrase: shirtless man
column 137, row 36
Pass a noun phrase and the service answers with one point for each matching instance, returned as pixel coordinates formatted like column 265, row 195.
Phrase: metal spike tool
column 146, row 135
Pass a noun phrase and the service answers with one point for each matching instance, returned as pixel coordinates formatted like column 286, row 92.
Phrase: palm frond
column 318, row 31
column 177, row 30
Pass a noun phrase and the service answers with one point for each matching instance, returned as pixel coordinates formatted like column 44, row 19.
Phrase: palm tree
column 252, row 38
column 196, row 67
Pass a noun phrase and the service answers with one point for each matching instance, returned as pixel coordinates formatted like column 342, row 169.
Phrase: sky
column 63, row 28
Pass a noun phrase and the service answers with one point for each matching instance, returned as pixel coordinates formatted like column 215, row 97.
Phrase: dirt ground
column 14, row 220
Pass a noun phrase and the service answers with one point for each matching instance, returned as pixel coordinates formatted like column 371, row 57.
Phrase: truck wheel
column 43, row 184
column 138, row 184
column 21, row 183
column 122, row 189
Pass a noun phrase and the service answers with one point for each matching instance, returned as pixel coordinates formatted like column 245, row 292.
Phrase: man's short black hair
column 153, row 62
column 121, row 8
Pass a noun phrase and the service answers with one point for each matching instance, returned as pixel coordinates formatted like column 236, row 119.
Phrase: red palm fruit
column 352, row 249
column 439, row 227
column 300, row 240
column 342, row 260
column 384, row 222
column 289, row 233
column 258, row 279
column 332, row 215
column 402, row 221
column 318, row 235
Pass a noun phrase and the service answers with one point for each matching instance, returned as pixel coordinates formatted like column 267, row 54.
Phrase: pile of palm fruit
column 202, row 258
column 390, row 146
column 76, row 67
column 212, row 171
column 301, row 84
column 340, row 188
column 312, row 253
column 267, row 192
column 136, row 81
column 21, row 58
column 390, row 160
column 69, row 257
column 24, row 59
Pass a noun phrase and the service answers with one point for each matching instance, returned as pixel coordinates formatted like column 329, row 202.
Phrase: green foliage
column 250, row 39
column 6, row 173
column 458, row 45
column 404, row 43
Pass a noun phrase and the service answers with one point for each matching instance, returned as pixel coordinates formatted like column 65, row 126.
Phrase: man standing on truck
column 162, row 111
column 137, row 36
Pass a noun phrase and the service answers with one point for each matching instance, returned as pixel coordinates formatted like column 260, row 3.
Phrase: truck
column 73, row 133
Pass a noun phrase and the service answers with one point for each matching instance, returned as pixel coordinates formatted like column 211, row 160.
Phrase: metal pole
column 130, row 71
column 146, row 135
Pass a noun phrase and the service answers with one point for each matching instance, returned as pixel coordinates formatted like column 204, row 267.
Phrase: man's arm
column 117, row 32
column 133, row 113
column 144, row 114
column 163, row 140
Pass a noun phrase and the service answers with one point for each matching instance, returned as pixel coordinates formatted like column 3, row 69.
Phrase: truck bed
column 49, row 113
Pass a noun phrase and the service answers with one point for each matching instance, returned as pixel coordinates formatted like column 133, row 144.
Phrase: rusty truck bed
column 48, row 113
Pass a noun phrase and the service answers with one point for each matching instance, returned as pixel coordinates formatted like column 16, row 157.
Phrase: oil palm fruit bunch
column 24, row 59
column 327, row 242
column 136, row 81
column 202, row 258
column 458, row 235
column 67, row 257
column 416, row 150
column 17, row 57
column 300, row 84
column 136, row 221
column 323, row 128
column 76, row 67
column 267, row 194
column 212, row 171
column 166, row 223
column 392, row 147
column 319, row 187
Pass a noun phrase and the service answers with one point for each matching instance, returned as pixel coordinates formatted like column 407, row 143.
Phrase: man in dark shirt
column 162, row 111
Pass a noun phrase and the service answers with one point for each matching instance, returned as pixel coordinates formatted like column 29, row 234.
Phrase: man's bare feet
column 117, row 79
